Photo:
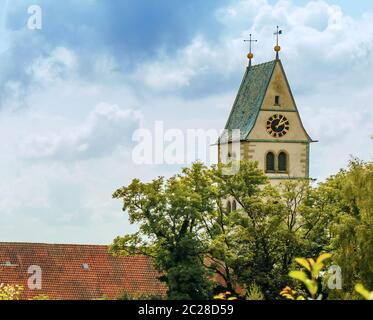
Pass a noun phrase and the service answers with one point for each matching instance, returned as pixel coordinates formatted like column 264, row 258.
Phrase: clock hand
column 282, row 122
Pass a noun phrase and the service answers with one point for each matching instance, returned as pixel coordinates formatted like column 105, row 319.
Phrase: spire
column 277, row 47
column 250, row 55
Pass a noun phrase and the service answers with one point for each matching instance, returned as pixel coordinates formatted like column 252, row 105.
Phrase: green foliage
column 344, row 226
column 310, row 278
column 41, row 297
column 291, row 294
column 254, row 293
column 169, row 215
column 10, row 292
column 185, row 226
column 271, row 227
column 186, row 276
column 352, row 239
column 140, row 297
column 14, row 292
column 224, row 232
column 364, row 292
column 225, row 296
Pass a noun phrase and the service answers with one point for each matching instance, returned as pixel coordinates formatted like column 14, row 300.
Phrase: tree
column 308, row 216
column 185, row 225
column 272, row 226
column 169, row 215
column 223, row 229
column 248, row 246
column 353, row 229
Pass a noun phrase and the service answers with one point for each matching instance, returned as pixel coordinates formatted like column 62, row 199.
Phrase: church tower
column 271, row 130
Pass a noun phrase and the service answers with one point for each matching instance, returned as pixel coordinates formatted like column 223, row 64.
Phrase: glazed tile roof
column 250, row 98
column 78, row 272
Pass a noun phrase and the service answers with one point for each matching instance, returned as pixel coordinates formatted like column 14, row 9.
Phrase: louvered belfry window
column 282, row 162
column 270, row 162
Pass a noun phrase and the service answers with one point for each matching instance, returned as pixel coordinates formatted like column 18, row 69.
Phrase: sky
column 73, row 93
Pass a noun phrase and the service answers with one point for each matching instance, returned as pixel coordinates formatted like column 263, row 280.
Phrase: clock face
column 278, row 126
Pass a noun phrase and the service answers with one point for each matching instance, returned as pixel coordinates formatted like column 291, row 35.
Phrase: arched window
column 270, row 162
column 282, row 162
column 229, row 207
column 234, row 205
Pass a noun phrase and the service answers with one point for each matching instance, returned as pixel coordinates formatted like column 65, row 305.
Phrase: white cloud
column 319, row 41
column 62, row 159
column 326, row 55
column 172, row 73
column 106, row 128
column 61, row 62
column 105, row 65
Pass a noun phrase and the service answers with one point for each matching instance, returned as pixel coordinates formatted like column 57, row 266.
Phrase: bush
column 10, row 292
column 140, row 296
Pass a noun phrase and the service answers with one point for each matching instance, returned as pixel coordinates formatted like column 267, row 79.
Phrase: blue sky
column 352, row 8
column 72, row 94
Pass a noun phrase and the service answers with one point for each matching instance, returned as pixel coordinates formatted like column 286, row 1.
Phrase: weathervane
column 277, row 47
column 250, row 55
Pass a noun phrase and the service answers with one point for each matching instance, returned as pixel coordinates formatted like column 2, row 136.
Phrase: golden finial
column 250, row 55
column 277, row 47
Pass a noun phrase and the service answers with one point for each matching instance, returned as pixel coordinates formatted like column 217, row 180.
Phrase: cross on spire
column 250, row 54
column 250, row 41
column 277, row 47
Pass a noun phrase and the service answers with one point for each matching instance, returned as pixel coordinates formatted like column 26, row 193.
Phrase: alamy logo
column 335, row 278
column 178, row 147
column 35, row 21
column 34, row 282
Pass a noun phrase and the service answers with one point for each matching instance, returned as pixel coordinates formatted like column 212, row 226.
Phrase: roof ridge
column 54, row 244
column 263, row 63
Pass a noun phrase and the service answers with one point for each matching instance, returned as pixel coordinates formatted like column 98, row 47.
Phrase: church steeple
column 266, row 115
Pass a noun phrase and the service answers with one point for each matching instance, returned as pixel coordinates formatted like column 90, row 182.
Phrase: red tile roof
column 65, row 278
